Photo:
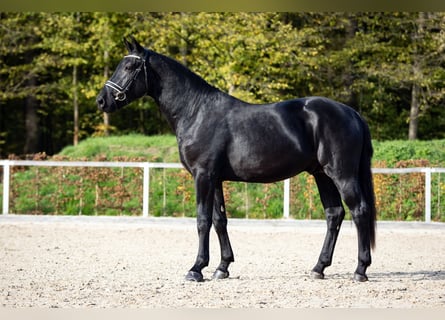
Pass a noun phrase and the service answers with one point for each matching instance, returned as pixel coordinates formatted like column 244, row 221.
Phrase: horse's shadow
column 396, row 276
column 420, row 275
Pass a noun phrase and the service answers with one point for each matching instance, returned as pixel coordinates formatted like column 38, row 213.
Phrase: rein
column 121, row 90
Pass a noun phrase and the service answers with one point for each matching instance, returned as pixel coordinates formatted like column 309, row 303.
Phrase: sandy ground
column 102, row 262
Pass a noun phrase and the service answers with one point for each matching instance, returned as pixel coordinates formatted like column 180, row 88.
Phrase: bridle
column 122, row 89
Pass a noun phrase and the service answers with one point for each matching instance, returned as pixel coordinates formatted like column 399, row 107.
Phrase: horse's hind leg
column 335, row 213
column 361, row 212
column 220, row 224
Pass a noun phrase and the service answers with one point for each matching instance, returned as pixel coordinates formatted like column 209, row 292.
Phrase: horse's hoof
column 317, row 275
column 194, row 276
column 360, row 277
column 219, row 274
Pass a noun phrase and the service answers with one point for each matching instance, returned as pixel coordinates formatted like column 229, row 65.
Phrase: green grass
column 162, row 148
column 116, row 191
column 403, row 150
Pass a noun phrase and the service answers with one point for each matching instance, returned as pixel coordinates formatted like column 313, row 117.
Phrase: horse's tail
column 366, row 182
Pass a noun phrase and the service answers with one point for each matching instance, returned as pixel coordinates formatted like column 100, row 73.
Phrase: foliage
column 108, row 191
column 163, row 148
column 389, row 66
column 391, row 152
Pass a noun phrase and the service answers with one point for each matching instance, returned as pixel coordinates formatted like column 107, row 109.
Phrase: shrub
column 118, row 191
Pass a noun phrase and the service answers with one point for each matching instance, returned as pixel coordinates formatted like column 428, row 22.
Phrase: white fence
column 7, row 164
column 146, row 166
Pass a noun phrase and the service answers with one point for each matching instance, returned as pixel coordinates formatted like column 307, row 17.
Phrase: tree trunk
column 76, row 107
column 352, row 100
column 31, row 122
column 106, row 75
column 414, row 113
column 417, row 38
column 76, row 91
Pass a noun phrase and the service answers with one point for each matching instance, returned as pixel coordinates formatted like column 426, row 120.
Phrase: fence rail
column 146, row 166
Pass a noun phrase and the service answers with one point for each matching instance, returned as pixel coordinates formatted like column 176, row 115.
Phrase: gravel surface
column 102, row 262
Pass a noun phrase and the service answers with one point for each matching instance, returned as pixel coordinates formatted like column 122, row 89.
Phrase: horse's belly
column 265, row 167
column 267, row 146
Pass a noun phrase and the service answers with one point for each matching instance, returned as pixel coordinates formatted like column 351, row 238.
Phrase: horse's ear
column 136, row 45
column 133, row 45
column 128, row 45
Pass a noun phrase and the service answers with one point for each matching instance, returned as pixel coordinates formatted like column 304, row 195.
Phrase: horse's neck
column 183, row 94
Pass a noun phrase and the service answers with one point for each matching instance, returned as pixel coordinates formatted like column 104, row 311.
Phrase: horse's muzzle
column 104, row 105
column 100, row 101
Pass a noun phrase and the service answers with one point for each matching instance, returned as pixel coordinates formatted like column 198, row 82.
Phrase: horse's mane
column 191, row 78
column 196, row 91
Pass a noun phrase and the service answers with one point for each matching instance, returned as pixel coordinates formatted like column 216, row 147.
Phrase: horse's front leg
column 205, row 191
column 220, row 224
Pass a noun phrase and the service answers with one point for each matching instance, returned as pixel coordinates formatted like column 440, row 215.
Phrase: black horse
column 221, row 138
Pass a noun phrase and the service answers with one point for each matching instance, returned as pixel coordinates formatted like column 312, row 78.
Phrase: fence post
column 146, row 190
column 427, row 195
column 6, row 173
column 286, row 200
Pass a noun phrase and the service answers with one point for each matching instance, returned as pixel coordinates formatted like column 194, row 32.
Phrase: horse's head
column 128, row 82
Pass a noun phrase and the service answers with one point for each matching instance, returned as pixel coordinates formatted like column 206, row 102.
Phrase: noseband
column 122, row 89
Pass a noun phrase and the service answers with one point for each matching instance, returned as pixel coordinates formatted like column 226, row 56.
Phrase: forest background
column 388, row 66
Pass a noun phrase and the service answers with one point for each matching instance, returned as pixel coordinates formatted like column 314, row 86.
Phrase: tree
column 20, row 72
column 103, row 39
column 388, row 66
column 406, row 56
column 254, row 56
column 66, row 48
column 427, row 54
